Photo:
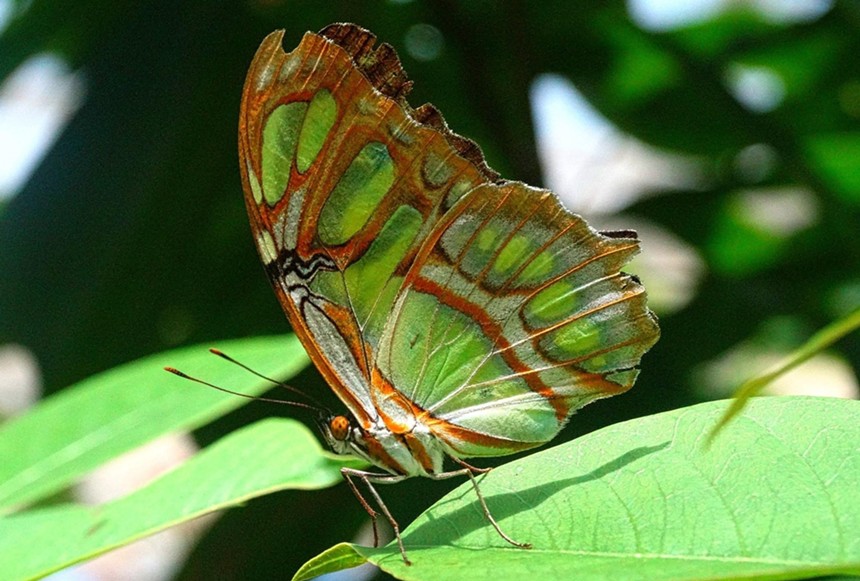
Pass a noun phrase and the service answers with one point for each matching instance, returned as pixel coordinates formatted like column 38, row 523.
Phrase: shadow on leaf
column 458, row 523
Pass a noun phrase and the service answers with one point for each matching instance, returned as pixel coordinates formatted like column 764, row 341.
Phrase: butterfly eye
column 339, row 426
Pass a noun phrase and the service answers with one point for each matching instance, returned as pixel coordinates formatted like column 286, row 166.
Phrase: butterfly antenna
column 295, row 390
column 175, row 371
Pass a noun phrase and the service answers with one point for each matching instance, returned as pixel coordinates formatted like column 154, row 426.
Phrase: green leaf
column 339, row 557
column 835, row 156
column 775, row 498
column 816, row 344
column 270, row 455
column 67, row 435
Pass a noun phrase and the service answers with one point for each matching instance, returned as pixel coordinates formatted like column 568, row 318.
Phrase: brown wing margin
column 381, row 66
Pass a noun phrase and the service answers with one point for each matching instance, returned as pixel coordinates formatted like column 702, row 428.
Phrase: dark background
column 131, row 235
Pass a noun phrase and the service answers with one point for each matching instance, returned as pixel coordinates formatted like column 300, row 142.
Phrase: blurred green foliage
column 131, row 236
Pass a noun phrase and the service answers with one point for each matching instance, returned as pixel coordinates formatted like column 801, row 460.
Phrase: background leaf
column 268, row 456
column 118, row 410
column 816, row 344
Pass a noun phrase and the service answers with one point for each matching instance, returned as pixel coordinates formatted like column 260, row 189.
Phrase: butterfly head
column 341, row 432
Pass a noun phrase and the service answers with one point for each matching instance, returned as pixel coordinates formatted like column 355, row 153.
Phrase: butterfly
column 455, row 314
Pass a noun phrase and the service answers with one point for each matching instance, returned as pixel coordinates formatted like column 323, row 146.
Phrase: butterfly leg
column 364, row 504
column 474, row 469
column 467, row 471
column 369, row 478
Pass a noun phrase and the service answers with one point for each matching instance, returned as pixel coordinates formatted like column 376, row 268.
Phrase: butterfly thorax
column 414, row 453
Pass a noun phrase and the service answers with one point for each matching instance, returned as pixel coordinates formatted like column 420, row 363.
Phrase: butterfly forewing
column 343, row 183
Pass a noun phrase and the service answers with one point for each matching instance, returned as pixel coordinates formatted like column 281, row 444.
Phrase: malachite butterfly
column 455, row 314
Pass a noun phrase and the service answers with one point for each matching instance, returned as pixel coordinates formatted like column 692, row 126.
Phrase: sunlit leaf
column 774, row 498
column 270, row 455
column 68, row 435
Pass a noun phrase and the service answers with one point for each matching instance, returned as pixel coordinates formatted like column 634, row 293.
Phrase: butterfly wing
column 421, row 286
column 514, row 314
column 343, row 182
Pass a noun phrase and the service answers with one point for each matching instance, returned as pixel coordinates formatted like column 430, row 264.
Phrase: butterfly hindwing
column 514, row 315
